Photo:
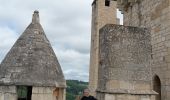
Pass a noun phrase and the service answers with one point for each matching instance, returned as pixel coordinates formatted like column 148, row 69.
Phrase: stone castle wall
column 155, row 15
column 125, row 60
column 101, row 15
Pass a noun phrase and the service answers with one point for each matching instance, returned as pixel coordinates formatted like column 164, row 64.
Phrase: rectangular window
column 107, row 3
column 24, row 92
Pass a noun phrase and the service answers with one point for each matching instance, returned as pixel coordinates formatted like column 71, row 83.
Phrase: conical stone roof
column 32, row 61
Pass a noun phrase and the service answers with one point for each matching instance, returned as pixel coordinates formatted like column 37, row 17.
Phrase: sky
column 67, row 24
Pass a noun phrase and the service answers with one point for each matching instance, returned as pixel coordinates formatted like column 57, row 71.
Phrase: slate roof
column 32, row 61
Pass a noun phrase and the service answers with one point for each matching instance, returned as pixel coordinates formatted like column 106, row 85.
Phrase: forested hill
column 74, row 88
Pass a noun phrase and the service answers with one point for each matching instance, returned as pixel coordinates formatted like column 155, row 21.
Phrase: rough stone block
column 110, row 97
column 125, row 53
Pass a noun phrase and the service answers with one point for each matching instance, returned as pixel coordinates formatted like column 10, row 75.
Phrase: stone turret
column 32, row 65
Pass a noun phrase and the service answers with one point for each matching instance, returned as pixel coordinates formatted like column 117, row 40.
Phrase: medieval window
column 157, row 87
column 107, row 3
column 24, row 92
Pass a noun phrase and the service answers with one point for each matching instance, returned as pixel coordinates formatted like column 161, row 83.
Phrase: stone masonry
column 101, row 15
column 125, row 60
column 154, row 15
column 30, row 70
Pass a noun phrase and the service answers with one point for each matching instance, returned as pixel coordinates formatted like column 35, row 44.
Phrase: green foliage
column 74, row 88
column 22, row 91
column 70, row 96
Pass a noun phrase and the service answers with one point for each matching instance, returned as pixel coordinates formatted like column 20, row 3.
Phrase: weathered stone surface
column 46, row 93
column 32, row 61
column 125, row 55
column 124, row 4
column 127, row 97
column 155, row 15
column 38, row 93
column 8, row 93
column 101, row 15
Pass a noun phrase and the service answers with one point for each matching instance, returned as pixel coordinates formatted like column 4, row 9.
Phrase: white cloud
column 76, row 64
column 8, row 37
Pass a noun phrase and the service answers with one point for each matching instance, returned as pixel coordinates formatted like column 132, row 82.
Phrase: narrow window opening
column 107, row 3
column 151, row 56
column 157, row 87
column 24, row 92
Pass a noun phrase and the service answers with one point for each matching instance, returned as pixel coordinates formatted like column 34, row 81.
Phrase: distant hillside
column 74, row 87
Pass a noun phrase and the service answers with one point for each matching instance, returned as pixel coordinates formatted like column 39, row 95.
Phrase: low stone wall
column 47, row 93
column 129, row 97
column 38, row 93
column 8, row 93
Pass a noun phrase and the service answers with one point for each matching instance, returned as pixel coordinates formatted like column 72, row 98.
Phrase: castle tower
column 103, row 12
column 30, row 70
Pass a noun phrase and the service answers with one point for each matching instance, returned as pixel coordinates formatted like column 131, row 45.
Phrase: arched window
column 24, row 92
column 157, row 87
